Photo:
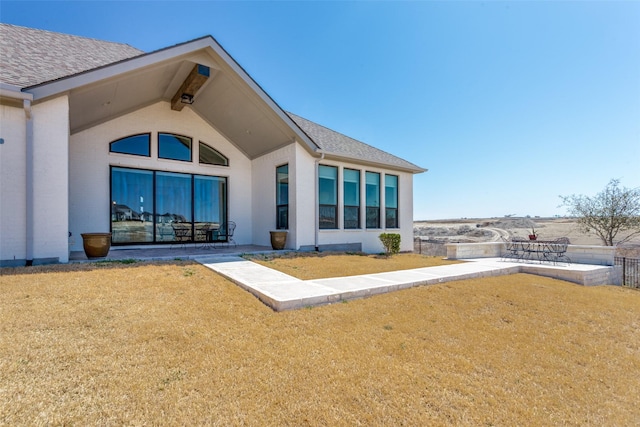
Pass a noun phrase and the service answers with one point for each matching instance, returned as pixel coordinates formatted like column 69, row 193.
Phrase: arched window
column 174, row 147
column 210, row 156
column 137, row 145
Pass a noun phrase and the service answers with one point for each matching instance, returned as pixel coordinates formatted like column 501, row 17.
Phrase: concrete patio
column 188, row 251
column 283, row 292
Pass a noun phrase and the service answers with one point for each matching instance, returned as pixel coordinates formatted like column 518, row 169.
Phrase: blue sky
column 508, row 104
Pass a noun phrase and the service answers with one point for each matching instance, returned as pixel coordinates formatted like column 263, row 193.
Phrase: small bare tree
column 614, row 210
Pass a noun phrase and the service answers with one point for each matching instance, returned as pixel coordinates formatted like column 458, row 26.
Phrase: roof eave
column 414, row 170
column 66, row 84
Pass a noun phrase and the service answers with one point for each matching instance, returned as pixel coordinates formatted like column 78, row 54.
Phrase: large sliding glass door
column 153, row 206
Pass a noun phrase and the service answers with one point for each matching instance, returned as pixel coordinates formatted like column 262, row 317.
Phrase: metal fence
column 429, row 247
column 630, row 271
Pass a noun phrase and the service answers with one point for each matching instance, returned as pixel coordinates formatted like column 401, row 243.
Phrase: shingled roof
column 337, row 144
column 29, row 56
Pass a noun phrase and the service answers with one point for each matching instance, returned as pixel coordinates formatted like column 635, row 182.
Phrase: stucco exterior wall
column 306, row 206
column 264, row 195
column 89, row 178
column 51, row 179
column 13, row 185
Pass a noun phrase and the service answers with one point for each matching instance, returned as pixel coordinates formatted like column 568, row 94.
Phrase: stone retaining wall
column 579, row 254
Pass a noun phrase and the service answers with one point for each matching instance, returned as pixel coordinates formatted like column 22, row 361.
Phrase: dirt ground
column 472, row 230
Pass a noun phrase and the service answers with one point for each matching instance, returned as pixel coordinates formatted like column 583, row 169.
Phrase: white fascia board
column 380, row 165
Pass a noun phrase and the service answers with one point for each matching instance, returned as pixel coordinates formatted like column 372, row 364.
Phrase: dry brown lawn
column 176, row 344
column 320, row 265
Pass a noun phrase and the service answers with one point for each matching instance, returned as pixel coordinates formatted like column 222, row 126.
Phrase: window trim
column 155, row 241
column 279, row 206
column 334, row 207
column 148, row 134
column 367, row 206
column 386, row 207
column 344, row 203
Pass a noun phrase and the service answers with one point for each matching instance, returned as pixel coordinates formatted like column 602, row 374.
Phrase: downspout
column 29, row 181
column 317, row 191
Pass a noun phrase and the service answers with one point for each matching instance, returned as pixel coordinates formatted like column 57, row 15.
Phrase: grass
column 320, row 265
column 173, row 344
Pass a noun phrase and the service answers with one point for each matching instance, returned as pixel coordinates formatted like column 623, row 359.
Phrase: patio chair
column 182, row 234
column 224, row 234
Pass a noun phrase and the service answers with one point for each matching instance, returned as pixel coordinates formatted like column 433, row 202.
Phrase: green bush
column 391, row 242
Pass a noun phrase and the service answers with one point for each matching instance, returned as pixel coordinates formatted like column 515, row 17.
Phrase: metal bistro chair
column 182, row 234
column 224, row 234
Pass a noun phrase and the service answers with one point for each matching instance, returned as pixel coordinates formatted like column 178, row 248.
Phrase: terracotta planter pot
column 96, row 245
column 278, row 239
column 532, row 237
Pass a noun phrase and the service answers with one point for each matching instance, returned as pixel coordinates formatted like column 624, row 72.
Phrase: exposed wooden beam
column 190, row 86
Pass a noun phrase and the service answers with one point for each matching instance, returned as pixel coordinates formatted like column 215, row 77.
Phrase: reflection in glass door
column 209, row 204
column 173, row 206
column 131, row 205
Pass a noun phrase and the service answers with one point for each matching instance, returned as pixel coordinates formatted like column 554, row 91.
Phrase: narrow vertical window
column 351, row 190
column 328, row 196
column 373, row 199
column 391, row 201
column 282, row 197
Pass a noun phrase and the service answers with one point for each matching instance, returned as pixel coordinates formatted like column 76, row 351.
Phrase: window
column 391, row 201
column 351, row 189
column 137, row 145
column 131, row 205
column 328, row 196
column 282, row 197
column 151, row 206
column 210, row 156
column 174, row 147
column 373, row 199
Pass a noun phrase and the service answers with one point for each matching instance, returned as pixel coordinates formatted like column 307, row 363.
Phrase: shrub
column 391, row 242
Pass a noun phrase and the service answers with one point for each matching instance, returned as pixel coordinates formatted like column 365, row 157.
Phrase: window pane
column 131, row 205
column 174, row 147
column 328, row 185
column 209, row 200
column 391, row 218
column 328, row 216
column 351, row 217
column 173, row 202
column 391, row 191
column 282, row 197
column 373, row 199
column 210, row 156
column 138, row 145
column 373, row 189
column 351, row 187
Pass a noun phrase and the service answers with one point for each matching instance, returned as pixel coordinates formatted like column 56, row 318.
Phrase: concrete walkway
column 283, row 292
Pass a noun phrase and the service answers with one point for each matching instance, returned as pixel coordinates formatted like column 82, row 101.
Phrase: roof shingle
column 29, row 56
column 335, row 143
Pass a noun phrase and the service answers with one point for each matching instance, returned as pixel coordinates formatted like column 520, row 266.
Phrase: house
column 102, row 137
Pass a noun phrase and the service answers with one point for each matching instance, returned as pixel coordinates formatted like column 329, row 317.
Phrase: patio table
column 537, row 250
